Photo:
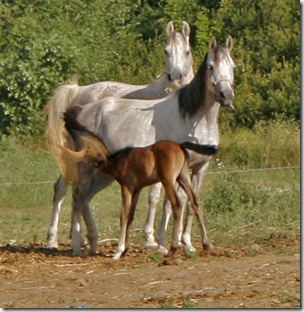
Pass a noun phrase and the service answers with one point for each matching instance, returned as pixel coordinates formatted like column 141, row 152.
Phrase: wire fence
column 210, row 172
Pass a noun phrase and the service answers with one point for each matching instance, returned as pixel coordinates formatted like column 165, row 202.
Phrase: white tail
column 61, row 99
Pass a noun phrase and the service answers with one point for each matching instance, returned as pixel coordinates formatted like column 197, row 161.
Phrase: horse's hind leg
column 60, row 189
column 177, row 213
column 154, row 196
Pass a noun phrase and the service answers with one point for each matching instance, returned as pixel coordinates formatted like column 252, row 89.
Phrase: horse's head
column 178, row 55
column 220, row 68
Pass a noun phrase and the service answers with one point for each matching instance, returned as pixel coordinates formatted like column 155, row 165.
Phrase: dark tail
column 204, row 149
column 74, row 128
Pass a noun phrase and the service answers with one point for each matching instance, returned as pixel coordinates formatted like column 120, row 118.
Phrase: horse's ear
column 229, row 43
column 186, row 30
column 170, row 28
column 212, row 44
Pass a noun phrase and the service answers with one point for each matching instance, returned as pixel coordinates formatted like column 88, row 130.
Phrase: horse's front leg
column 60, row 189
column 154, row 196
column 124, row 217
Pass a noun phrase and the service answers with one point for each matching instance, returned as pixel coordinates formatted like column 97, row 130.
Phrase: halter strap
column 220, row 80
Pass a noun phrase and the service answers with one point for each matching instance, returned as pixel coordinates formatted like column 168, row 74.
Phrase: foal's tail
column 84, row 143
column 204, row 149
column 59, row 102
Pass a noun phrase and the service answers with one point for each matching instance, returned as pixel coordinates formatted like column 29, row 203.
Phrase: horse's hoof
column 172, row 252
column 92, row 252
column 151, row 245
column 207, row 246
column 52, row 246
column 116, row 256
column 75, row 253
column 190, row 248
column 162, row 250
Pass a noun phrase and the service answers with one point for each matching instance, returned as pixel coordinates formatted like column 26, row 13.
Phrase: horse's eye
column 188, row 52
column 166, row 52
column 210, row 67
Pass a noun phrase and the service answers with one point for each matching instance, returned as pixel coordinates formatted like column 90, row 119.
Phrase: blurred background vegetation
column 43, row 43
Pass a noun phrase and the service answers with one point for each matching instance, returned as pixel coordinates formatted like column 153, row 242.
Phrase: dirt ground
column 265, row 274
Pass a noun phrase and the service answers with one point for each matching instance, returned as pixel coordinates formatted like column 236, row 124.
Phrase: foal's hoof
column 207, row 246
column 172, row 251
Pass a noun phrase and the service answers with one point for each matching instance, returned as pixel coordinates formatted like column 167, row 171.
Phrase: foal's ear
column 170, row 28
column 212, row 44
column 229, row 43
column 186, row 30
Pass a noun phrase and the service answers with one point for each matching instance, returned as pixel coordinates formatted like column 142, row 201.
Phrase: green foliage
column 44, row 43
column 267, row 53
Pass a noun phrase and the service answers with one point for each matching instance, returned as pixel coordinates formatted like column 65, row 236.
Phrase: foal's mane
column 123, row 152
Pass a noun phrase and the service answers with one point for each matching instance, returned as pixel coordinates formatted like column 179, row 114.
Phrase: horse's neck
column 154, row 90
column 162, row 86
column 206, row 121
column 187, row 79
column 157, row 89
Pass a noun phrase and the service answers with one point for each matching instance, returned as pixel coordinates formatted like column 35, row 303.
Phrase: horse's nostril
column 169, row 77
column 222, row 95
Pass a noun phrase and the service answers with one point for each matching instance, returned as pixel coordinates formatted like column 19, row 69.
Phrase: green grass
column 240, row 207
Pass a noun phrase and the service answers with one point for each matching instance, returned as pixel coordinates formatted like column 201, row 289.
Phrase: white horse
column 189, row 114
column 179, row 72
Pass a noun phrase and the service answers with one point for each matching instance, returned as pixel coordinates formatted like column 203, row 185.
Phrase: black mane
column 193, row 94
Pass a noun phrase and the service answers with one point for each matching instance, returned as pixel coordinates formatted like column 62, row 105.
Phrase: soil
column 265, row 274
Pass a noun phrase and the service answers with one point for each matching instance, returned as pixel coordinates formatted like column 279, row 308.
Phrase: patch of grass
column 155, row 256
column 189, row 303
column 238, row 207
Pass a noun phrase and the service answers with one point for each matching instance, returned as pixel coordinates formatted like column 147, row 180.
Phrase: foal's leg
column 135, row 198
column 60, row 189
column 197, row 181
column 177, row 212
column 195, row 207
column 124, row 220
column 154, row 196
column 167, row 211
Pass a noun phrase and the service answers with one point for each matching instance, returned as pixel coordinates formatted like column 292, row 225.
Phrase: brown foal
column 136, row 167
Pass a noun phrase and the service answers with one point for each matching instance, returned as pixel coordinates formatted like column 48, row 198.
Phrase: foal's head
column 178, row 55
column 220, row 68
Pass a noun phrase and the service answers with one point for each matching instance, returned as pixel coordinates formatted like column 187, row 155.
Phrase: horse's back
column 97, row 91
